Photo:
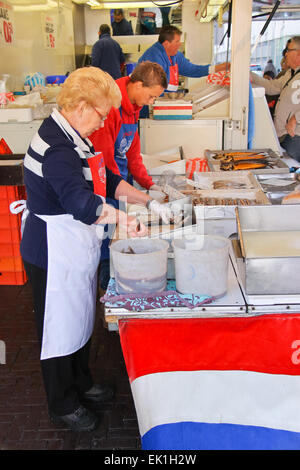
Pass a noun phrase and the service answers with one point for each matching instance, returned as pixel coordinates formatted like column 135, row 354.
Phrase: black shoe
column 80, row 420
column 98, row 394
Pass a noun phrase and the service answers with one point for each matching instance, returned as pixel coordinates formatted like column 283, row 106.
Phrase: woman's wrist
column 148, row 203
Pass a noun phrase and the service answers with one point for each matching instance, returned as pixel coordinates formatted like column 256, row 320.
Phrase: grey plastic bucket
column 201, row 264
column 145, row 271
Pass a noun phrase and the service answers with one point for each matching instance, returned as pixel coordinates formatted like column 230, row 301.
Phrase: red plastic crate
column 11, row 264
column 12, row 279
column 9, row 194
column 10, row 221
column 10, row 235
column 9, row 249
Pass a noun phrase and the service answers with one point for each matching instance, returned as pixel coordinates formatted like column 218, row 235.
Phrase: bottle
column 3, row 90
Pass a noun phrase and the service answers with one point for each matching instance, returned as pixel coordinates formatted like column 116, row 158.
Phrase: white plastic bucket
column 201, row 264
column 145, row 271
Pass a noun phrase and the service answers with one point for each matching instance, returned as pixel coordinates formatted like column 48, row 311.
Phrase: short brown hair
column 150, row 74
column 167, row 33
column 296, row 39
column 104, row 29
column 89, row 84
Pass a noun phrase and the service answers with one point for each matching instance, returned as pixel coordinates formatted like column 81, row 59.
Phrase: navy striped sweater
column 58, row 181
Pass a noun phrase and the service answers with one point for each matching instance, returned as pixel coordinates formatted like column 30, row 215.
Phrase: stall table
column 224, row 375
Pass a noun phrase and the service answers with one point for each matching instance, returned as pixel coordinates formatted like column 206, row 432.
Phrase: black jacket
column 108, row 55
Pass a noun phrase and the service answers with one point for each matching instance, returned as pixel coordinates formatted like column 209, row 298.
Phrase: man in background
column 165, row 52
column 120, row 26
column 107, row 54
column 287, row 110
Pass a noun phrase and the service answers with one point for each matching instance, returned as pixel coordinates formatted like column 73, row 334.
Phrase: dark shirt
column 55, row 184
column 123, row 28
column 107, row 54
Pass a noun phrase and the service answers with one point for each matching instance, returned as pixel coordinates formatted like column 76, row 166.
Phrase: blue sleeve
column 151, row 55
column 62, row 169
column 187, row 69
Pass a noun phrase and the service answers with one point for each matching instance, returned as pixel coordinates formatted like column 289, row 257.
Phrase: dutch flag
column 215, row 383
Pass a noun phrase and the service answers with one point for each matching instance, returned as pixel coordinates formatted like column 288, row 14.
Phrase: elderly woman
column 67, row 183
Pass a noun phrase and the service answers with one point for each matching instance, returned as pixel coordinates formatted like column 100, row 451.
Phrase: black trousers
column 65, row 377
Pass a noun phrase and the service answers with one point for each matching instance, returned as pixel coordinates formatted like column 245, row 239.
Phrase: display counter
column 220, row 373
column 221, row 376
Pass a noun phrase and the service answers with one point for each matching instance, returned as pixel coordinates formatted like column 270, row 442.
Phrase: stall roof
column 288, row 9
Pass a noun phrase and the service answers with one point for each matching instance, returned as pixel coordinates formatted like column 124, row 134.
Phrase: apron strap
column 20, row 206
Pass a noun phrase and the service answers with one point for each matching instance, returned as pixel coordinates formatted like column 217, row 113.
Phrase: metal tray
column 279, row 165
column 276, row 191
column 272, row 264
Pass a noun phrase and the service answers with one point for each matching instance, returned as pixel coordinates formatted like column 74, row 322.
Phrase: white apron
column 73, row 259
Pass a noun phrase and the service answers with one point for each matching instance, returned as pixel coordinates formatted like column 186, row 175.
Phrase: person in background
column 120, row 26
column 165, row 15
column 165, row 52
column 269, row 75
column 271, row 100
column 287, row 110
column 67, row 184
column 270, row 67
column 284, row 66
column 119, row 139
column 148, row 22
column 107, row 53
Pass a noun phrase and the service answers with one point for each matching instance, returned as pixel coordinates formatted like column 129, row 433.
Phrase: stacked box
column 11, row 265
column 172, row 110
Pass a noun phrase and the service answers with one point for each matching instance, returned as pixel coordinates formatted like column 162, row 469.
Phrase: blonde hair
column 89, row 84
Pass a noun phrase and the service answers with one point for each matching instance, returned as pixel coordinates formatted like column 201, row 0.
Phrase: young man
column 119, row 140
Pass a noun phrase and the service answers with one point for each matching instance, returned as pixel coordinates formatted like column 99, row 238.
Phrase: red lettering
column 8, row 31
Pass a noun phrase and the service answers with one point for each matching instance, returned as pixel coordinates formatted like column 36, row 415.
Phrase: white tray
column 16, row 114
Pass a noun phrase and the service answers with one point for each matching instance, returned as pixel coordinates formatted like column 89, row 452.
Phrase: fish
column 227, row 166
column 220, row 156
column 243, row 158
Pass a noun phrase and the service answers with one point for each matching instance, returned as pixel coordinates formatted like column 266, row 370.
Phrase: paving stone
column 24, row 420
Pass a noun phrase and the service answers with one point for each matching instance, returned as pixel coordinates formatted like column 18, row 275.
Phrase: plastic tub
column 145, row 271
column 55, row 79
column 201, row 264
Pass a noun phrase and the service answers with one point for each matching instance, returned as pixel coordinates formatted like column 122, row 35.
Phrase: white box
column 16, row 114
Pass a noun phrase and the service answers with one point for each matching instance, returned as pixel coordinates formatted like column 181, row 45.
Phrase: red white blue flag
column 215, row 383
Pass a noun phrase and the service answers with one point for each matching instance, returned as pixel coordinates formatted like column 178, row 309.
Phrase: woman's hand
column 134, row 227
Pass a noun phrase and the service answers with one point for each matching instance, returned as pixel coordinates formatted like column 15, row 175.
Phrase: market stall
column 221, row 373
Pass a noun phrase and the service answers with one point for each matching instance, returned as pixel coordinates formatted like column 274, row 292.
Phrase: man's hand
column 291, row 126
column 222, row 67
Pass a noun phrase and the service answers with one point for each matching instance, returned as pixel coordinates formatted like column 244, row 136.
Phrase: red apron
column 97, row 167
column 174, row 77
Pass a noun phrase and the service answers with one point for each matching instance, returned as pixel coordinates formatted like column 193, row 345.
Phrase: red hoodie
column 104, row 138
